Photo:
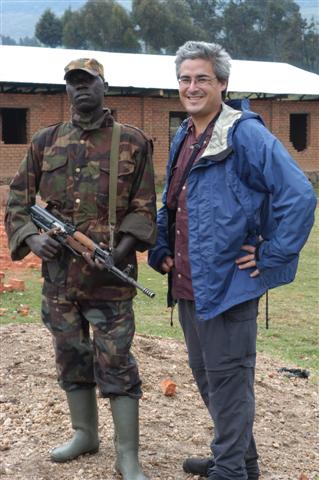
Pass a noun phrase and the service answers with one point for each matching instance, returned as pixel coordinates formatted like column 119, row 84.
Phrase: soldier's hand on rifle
column 125, row 245
column 248, row 261
column 94, row 263
column 44, row 246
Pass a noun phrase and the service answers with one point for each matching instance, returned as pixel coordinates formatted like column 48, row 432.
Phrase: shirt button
column 77, row 170
column 178, row 254
column 179, row 275
column 82, row 141
column 77, row 200
column 179, row 209
column 184, row 187
column 178, row 232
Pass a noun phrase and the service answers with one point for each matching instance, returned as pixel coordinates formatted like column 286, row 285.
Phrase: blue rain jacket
column 245, row 186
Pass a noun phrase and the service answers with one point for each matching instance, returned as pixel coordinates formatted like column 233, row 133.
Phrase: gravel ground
column 34, row 419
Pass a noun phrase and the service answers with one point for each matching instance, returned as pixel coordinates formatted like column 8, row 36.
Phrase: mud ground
column 34, row 417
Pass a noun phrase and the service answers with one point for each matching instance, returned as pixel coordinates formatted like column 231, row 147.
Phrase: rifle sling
column 115, row 145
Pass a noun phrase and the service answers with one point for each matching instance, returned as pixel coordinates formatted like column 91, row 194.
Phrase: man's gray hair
column 213, row 52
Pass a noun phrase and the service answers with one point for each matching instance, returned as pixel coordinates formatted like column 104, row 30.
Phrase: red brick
column 23, row 311
column 168, row 387
column 17, row 284
column 152, row 115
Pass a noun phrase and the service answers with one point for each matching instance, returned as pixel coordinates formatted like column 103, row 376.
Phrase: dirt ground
column 34, row 418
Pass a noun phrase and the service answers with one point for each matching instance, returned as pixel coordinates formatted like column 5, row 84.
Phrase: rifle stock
column 77, row 242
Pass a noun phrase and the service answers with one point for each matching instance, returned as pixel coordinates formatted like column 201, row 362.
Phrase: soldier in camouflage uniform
column 68, row 165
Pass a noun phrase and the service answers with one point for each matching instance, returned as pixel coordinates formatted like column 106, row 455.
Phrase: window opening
column 175, row 119
column 299, row 130
column 13, row 123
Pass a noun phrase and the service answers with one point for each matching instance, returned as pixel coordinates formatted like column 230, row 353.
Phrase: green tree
column 48, row 30
column 151, row 18
column 164, row 25
column 271, row 30
column 240, row 33
column 103, row 25
column 207, row 16
column 181, row 26
column 73, row 30
column 282, row 27
column 311, row 47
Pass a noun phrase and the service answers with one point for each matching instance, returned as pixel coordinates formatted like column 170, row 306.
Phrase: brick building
column 143, row 92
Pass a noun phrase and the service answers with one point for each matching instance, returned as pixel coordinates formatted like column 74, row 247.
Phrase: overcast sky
column 18, row 17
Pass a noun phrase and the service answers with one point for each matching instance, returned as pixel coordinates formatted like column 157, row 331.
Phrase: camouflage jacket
column 68, row 166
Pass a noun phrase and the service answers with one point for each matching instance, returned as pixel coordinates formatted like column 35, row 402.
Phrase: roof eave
column 51, row 89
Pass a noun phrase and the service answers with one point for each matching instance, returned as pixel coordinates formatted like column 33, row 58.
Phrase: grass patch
column 152, row 315
column 13, row 302
column 294, row 332
column 292, row 336
column 316, row 189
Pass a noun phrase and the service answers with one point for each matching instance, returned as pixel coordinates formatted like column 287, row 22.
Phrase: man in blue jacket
column 236, row 212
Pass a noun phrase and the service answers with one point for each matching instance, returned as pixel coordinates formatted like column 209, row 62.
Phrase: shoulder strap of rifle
column 114, row 156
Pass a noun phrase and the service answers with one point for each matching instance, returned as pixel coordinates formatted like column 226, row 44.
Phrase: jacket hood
column 221, row 138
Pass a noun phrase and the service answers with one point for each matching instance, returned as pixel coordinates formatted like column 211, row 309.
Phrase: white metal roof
column 35, row 65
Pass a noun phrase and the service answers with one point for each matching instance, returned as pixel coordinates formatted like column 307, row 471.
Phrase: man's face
column 199, row 90
column 85, row 91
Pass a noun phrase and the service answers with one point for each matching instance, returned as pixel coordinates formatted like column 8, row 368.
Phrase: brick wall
column 276, row 115
column 152, row 115
column 42, row 110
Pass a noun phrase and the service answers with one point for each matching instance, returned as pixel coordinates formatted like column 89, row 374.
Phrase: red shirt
column 181, row 273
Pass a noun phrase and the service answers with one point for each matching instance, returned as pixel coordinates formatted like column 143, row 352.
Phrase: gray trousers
column 222, row 356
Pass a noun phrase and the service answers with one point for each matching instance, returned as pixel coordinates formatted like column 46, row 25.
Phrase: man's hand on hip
column 248, row 261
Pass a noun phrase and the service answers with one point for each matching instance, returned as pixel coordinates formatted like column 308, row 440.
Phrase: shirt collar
column 190, row 125
column 85, row 122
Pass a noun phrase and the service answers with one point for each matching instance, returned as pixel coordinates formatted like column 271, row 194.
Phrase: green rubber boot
column 84, row 418
column 126, row 427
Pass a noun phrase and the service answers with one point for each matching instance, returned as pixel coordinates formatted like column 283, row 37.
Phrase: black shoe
column 201, row 466
column 198, row 466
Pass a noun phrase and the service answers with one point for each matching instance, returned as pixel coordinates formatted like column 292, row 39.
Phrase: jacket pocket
column 52, row 186
column 241, row 325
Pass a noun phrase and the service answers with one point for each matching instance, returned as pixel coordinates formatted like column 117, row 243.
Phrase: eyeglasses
column 200, row 80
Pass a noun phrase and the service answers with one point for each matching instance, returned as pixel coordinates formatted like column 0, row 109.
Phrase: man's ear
column 224, row 92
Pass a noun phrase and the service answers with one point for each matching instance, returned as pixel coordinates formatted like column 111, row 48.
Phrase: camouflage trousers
column 92, row 342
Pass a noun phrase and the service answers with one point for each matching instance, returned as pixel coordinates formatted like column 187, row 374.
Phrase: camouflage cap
column 89, row 65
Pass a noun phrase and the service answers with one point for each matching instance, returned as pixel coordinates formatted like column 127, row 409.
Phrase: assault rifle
column 77, row 243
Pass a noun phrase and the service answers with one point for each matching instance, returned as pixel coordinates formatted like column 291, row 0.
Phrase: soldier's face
column 85, row 91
